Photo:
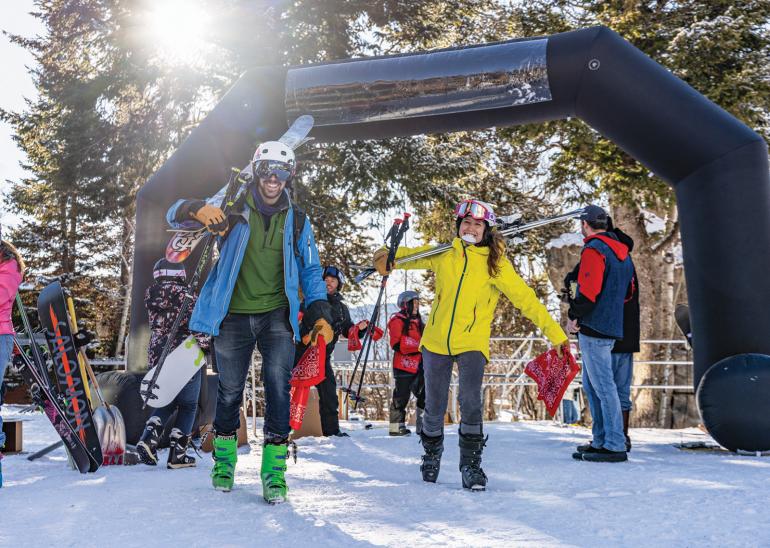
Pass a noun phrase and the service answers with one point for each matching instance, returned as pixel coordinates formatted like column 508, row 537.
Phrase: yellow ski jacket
column 466, row 296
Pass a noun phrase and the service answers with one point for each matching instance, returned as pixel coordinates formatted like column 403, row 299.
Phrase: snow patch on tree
column 652, row 223
column 567, row 239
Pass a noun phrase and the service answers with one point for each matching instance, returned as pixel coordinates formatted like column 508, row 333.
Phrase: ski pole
column 396, row 234
column 508, row 230
column 233, row 185
column 364, row 353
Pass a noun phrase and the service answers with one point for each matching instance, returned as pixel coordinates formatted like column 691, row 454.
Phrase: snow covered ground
column 366, row 490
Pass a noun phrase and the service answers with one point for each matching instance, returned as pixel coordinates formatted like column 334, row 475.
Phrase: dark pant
column 187, row 403
column 327, row 401
column 438, row 375
column 272, row 335
column 406, row 385
column 327, row 393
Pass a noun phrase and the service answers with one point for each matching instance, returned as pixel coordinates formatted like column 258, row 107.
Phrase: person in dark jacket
column 405, row 329
column 596, row 312
column 163, row 300
column 623, row 351
column 341, row 325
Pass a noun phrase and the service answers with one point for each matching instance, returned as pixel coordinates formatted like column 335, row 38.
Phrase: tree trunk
column 126, row 275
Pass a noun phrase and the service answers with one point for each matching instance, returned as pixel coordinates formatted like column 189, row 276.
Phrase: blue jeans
column 6, row 349
column 234, row 345
column 602, row 393
column 187, row 402
column 623, row 371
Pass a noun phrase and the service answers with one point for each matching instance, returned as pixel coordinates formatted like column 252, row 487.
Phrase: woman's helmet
column 405, row 297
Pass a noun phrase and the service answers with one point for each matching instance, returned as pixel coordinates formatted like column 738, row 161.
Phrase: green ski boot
column 225, row 456
column 274, row 488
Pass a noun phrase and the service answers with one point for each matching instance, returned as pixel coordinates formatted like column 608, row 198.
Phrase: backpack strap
column 299, row 224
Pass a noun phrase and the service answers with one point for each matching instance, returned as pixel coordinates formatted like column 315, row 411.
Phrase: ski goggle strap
column 267, row 168
column 166, row 273
column 477, row 209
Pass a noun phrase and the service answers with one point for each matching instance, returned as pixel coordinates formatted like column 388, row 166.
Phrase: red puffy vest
column 408, row 357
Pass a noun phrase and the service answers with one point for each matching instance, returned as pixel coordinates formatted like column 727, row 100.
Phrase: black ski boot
column 148, row 443
column 471, row 447
column 177, row 451
column 431, row 460
column 398, row 429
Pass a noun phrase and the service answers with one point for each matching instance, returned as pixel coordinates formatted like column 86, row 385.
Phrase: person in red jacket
column 405, row 330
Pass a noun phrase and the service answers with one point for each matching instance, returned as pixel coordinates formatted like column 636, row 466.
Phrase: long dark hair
column 496, row 244
column 408, row 312
column 8, row 252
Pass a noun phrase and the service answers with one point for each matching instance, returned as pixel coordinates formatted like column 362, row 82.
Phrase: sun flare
column 178, row 28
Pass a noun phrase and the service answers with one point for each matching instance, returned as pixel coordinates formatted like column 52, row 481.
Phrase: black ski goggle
column 281, row 170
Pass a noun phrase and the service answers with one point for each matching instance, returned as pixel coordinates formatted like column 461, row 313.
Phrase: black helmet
column 166, row 269
column 334, row 272
column 405, row 297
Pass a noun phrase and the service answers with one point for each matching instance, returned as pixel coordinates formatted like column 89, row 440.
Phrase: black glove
column 320, row 309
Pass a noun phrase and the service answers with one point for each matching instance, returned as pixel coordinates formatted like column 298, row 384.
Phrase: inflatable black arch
column 717, row 166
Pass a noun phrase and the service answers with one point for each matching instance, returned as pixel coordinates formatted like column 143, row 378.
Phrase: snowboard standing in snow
column 33, row 371
column 44, row 398
column 52, row 311
column 184, row 241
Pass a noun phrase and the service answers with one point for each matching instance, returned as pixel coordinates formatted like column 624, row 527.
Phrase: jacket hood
column 618, row 248
column 624, row 238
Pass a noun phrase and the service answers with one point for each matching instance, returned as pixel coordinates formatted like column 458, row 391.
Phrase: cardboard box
column 13, row 437
column 311, row 424
column 208, row 445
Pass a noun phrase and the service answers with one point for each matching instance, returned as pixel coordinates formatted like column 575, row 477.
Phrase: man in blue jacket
column 596, row 313
column 251, row 297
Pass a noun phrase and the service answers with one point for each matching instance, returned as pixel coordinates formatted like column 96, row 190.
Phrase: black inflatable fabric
column 717, row 166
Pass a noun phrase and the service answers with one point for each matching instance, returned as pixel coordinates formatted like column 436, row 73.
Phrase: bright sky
column 17, row 84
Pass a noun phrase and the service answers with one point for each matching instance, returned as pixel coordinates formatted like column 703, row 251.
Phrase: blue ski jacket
column 303, row 270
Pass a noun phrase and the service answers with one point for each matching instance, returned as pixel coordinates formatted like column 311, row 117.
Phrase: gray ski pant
column 438, row 375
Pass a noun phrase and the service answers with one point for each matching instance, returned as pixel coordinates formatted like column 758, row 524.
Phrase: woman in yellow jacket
column 469, row 279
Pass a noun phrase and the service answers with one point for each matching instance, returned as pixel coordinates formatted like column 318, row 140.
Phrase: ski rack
column 507, row 230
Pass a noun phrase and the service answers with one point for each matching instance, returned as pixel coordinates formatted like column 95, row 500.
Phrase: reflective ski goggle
column 476, row 209
column 267, row 168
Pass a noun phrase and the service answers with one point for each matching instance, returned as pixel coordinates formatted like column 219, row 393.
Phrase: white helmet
column 275, row 151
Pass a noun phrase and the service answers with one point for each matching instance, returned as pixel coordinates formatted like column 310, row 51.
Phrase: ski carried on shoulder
column 185, row 240
column 511, row 227
column 52, row 311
